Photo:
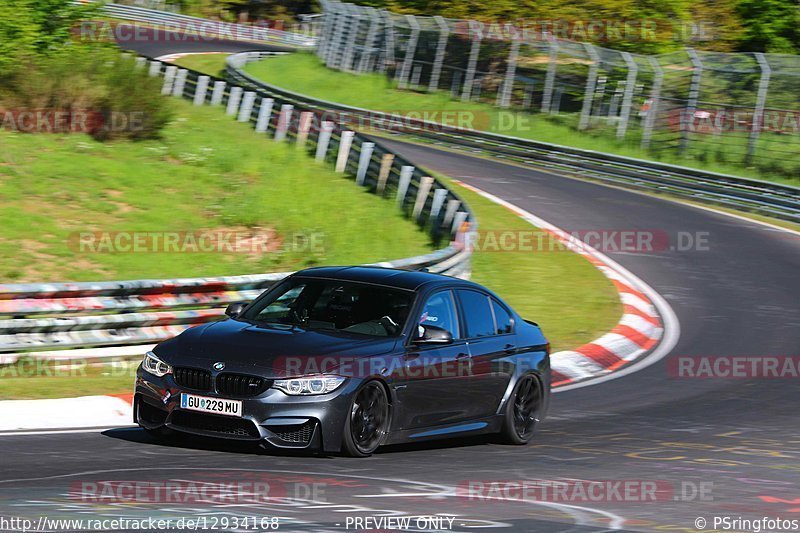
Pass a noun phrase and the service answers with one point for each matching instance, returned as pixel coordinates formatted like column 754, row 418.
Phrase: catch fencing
column 726, row 108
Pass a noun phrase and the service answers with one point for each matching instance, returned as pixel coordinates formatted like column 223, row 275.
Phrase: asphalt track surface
column 712, row 447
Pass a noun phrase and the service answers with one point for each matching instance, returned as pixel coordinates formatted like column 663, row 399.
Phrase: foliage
column 114, row 97
column 30, row 27
column 770, row 25
column 722, row 25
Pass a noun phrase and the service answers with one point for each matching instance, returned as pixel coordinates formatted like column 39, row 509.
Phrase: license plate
column 204, row 404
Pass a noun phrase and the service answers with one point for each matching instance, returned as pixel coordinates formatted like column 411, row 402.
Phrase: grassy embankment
column 209, row 172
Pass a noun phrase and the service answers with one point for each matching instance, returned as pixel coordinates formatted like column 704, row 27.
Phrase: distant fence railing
column 206, row 28
column 55, row 316
column 762, row 197
column 727, row 108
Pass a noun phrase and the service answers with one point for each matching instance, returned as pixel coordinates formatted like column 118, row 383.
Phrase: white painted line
column 671, row 331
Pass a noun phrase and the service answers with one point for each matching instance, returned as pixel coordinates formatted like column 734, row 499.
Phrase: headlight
column 309, row 385
column 155, row 366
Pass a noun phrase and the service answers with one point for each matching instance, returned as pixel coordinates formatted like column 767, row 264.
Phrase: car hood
column 269, row 351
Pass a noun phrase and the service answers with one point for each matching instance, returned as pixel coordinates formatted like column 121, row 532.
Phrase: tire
column 522, row 411
column 367, row 421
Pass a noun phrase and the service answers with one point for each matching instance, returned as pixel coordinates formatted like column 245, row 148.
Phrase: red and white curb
column 646, row 332
column 647, row 321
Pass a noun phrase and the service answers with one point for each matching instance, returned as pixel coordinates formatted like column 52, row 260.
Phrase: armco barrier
column 207, row 28
column 761, row 197
column 37, row 317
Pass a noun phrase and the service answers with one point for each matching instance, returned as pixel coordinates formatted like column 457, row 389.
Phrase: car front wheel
column 367, row 421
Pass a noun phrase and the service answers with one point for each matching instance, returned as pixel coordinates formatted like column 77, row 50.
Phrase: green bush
column 102, row 91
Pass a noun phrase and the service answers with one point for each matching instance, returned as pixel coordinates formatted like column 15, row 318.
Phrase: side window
column 501, row 318
column 440, row 311
column 477, row 313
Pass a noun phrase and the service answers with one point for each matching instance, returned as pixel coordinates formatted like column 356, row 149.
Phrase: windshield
column 334, row 305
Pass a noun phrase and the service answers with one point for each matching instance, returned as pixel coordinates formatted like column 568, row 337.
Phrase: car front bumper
column 272, row 418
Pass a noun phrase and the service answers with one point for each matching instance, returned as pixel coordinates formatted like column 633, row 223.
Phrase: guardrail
column 761, row 197
column 35, row 317
column 207, row 28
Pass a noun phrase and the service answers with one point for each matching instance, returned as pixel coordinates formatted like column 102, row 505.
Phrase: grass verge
column 208, row 169
column 207, row 173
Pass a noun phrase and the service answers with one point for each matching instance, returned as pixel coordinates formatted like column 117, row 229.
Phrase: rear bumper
column 272, row 418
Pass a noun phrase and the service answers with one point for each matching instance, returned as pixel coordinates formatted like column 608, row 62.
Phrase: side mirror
column 433, row 335
column 235, row 309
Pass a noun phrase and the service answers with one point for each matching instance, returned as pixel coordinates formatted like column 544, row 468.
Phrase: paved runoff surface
column 667, row 452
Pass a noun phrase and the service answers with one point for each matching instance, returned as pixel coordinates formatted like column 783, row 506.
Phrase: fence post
column 383, row 174
column 344, row 150
column 591, row 85
column 333, row 59
column 388, row 54
column 353, row 29
column 369, row 43
column 450, row 211
column 180, row 82
column 233, row 101
column 323, row 40
column 169, row 79
column 627, row 98
column 458, row 220
column 550, row 78
column 200, row 90
column 441, row 48
column 439, row 196
column 284, row 119
column 218, row 92
column 247, row 106
column 155, row 69
column 363, row 161
column 472, row 62
column 325, row 130
column 264, row 114
column 504, row 96
column 687, row 115
column 406, row 172
column 411, row 48
column 761, row 99
column 303, row 127
column 655, row 97
column 422, row 196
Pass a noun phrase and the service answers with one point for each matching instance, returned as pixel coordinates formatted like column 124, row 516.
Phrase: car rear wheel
column 522, row 411
column 367, row 421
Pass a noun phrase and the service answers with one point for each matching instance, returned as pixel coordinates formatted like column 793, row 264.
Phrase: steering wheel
column 389, row 324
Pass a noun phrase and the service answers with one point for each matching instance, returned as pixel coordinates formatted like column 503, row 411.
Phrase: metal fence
column 717, row 107
column 35, row 318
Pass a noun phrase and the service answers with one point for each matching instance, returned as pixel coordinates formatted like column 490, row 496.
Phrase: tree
column 770, row 25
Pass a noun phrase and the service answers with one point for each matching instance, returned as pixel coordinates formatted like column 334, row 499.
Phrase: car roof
column 390, row 277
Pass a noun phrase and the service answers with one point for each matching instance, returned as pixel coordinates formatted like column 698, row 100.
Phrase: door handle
column 462, row 355
column 510, row 348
